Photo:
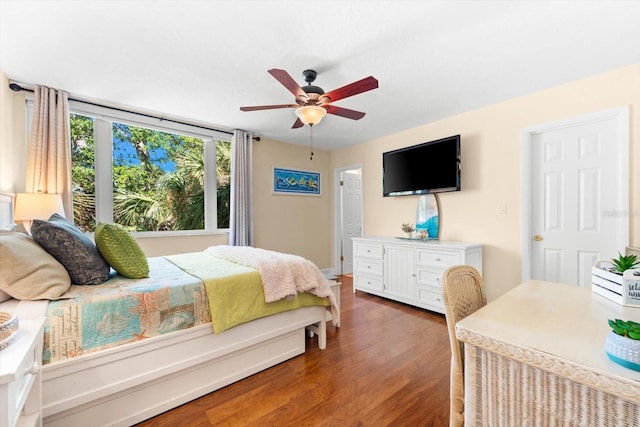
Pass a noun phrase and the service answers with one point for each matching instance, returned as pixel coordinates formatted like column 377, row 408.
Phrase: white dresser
column 409, row 271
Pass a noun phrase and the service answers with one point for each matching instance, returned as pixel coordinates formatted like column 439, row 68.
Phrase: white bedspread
column 283, row 275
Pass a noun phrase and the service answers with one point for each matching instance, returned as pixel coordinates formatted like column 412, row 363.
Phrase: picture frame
column 289, row 181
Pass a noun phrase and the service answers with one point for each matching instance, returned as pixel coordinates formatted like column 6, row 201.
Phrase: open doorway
column 348, row 215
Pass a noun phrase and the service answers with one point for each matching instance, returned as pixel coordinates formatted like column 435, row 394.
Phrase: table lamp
column 30, row 206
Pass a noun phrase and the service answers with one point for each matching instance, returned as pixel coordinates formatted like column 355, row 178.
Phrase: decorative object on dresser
column 463, row 294
column 427, row 213
column 408, row 229
column 409, row 271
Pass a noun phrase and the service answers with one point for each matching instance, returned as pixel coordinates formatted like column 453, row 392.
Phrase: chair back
column 463, row 294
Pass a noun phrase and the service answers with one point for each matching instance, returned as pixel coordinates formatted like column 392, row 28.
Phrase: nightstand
column 20, row 378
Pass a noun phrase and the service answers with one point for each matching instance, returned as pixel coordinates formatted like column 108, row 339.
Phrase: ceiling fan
column 312, row 103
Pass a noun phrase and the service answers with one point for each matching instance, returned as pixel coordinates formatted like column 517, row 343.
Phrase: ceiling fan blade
column 297, row 124
column 368, row 83
column 268, row 107
column 344, row 112
column 287, row 81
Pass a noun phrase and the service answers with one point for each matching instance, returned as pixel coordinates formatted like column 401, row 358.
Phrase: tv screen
column 431, row 167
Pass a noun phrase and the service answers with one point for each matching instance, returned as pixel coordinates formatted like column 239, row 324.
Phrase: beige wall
column 13, row 144
column 293, row 224
column 491, row 168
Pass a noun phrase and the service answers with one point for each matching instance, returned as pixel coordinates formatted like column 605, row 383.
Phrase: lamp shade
column 30, row 206
column 311, row 114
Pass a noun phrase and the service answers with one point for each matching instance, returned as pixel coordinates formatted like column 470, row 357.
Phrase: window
column 147, row 174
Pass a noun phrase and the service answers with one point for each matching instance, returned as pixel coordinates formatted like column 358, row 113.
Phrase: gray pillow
column 72, row 248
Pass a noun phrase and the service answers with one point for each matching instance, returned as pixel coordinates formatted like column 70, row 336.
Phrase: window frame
column 103, row 117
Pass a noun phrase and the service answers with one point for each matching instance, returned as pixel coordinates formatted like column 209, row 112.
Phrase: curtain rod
column 16, row 87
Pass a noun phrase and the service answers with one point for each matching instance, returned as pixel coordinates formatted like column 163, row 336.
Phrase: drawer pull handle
column 438, row 259
column 369, row 267
column 33, row 370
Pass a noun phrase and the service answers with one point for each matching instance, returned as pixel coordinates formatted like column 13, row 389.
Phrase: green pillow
column 121, row 251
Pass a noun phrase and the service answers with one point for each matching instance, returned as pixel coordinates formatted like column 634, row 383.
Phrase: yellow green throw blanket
column 235, row 291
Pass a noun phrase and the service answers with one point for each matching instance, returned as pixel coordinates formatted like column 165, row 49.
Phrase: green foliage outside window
column 158, row 178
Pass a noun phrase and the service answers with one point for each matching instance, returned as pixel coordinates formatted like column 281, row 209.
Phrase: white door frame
column 337, row 239
column 621, row 115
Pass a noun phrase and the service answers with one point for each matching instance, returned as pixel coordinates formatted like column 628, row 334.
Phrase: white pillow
column 27, row 271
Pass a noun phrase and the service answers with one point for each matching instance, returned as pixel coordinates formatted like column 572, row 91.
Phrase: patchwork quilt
column 121, row 310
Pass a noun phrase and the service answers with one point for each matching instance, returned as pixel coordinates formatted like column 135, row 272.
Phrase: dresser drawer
column 429, row 296
column 362, row 281
column 429, row 277
column 368, row 266
column 25, row 375
column 437, row 258
column 20, row 378
column 368, row 250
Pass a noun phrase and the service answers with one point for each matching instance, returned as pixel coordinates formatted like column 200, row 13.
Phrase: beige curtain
column 49, row 158
column 241, row 220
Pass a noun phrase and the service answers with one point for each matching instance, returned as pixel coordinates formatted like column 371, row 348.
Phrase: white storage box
column 622, row 289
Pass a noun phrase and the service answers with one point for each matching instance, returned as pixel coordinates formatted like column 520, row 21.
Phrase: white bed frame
column 134, row 382
column 131, row 383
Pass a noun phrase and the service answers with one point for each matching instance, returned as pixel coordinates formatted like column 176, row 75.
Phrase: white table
column 535, row 357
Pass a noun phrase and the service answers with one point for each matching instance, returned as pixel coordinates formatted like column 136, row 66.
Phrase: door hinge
column 341, row 183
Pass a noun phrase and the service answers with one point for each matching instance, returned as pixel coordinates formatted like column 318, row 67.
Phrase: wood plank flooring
column 387, row 365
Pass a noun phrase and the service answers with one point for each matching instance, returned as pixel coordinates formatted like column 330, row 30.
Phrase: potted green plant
column 623, row 343
column 618, row 279
column 624, row 263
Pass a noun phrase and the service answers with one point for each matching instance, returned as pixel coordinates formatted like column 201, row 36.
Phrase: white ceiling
column 203, row 60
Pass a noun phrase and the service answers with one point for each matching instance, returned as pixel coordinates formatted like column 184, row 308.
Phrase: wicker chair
column 463, row 293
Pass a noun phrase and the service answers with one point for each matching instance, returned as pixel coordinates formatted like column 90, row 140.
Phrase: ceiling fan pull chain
column 311, row 131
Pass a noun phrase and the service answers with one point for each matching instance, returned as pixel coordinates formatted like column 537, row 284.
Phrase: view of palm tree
column 158, row 178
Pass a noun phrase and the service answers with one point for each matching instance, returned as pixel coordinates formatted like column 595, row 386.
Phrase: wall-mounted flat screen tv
column 431, row 167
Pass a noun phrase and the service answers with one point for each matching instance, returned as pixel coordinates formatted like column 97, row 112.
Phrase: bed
column 182, row 356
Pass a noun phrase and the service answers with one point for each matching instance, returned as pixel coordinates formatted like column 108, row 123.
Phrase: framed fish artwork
column 296, row 182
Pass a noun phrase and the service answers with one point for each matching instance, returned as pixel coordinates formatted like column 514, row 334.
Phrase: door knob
column 537, row 238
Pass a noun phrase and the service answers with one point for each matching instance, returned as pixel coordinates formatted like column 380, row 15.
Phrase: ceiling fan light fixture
column 311, row 114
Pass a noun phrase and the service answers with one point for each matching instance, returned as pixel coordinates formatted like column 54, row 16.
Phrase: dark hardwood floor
column 387, row 365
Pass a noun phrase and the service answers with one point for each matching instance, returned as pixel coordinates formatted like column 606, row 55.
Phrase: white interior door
column 579, row 198
column 351, row 215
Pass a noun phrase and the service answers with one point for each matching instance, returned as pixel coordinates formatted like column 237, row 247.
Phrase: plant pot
column 623, row 351
column 623, row 289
